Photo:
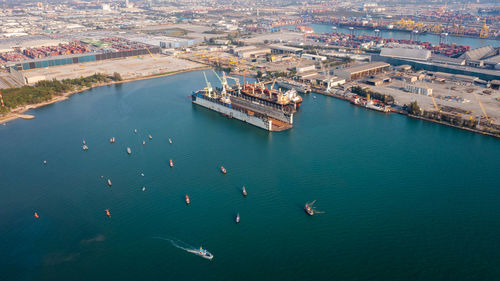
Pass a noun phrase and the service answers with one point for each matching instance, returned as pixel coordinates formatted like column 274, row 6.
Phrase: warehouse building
column 280, row 49
column 363, row 70
column 406, row 53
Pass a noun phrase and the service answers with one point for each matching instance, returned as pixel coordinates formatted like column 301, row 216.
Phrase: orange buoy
column 36, row 215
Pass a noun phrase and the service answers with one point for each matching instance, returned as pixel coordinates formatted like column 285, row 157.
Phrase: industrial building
column 280, row 49
column 313, row 57
column 363, row 70
column 406, row 53
column 476, row 57
column 418, row 90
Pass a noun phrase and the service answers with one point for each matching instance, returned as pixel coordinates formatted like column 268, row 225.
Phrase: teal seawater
column 404, row 199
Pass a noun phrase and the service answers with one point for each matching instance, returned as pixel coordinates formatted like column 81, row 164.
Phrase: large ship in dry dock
column 252, row 103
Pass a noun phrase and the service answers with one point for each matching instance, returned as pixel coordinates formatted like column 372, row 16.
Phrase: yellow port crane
column 484, row 30
column 435, row 103
column 482, row 108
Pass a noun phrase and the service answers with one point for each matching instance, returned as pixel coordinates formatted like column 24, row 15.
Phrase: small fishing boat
column 171, row 163
column 108, row 213
column 36, row 215
column 238, row 218
column 150, row 137
column 112, row 140
column 85, row 147
column 135, row 131
column 143, row 142
column 129, row 151
column 223, row 170
column 309, row 210
column 142, row 174
column 45, row 162
column 83, row 141
column 202, row 253
column 170, row 141
column 244, row 191
column 143, row 189
column 109, row 182
column 187, row 200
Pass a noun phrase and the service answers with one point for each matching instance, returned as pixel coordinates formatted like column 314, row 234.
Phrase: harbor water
column 427, row 37
column 404, row 199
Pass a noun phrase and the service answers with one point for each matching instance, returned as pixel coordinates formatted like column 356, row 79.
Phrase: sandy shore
column 18, row 111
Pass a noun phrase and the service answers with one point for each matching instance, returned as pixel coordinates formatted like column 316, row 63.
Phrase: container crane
column 484, row 30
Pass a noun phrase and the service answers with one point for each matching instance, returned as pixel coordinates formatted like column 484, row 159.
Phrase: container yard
column 80, row 51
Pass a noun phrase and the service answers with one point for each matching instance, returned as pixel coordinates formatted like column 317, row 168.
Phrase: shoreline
column 418, row 117
column 18, row 112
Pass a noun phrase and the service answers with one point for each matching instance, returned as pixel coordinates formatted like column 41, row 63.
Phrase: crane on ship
column 209, row 86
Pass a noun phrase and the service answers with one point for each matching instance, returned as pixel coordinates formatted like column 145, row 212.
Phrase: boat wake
column 188, row 248
column 178, row 244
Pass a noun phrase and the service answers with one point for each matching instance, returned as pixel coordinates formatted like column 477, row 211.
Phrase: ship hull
column 254, row 120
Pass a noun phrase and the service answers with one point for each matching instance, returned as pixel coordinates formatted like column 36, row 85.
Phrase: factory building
column 363, row 70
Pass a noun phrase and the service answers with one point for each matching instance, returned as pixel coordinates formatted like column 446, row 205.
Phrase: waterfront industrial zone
column 455, row 85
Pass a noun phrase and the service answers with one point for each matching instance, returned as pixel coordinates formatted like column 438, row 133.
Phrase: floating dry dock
column 253, row 103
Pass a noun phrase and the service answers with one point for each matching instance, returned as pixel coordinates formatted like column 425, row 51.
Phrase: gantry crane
column 484, row 30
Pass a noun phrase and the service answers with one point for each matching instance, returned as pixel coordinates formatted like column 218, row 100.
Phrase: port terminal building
column 363, row 70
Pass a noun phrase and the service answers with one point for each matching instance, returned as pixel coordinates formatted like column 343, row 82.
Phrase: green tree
column 117, row 76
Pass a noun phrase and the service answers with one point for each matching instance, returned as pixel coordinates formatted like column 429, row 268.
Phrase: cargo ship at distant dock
column 251, row 103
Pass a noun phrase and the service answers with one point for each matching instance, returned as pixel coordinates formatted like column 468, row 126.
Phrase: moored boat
column 109, row 182
column 223, row 170
column 187, row 200
column 171, row 163
column 238, row 218
column 85, row 147
column 112, row 140
column 129, row 151
column 170, row 141
column 108, row 213
column 244, row 191
column 150, row 137
column 36, row 215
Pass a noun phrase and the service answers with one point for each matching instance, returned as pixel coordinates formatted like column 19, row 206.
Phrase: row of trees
column 387, row 99
column 47, row 89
